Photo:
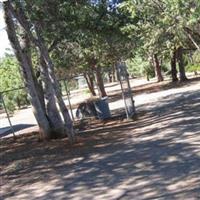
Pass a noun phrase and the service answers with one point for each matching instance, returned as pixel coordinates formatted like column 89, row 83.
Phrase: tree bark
column 53, row 114
column 26, row 69
column 40, row 91
column 99, row 80
column 173, row 67
column 39, row 42
column 110, row 76
column 37, row 83
column 65, row 113
column 114, row 74
column 157, row 68
column 181, row 66
column 90, row 82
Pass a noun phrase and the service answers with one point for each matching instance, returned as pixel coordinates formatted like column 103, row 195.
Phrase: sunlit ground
column 156, row 157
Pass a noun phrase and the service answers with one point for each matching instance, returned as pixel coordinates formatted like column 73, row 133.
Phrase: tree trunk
column 21, row 54
column 39, row 42
column 114, row 74
column 40, row 91
column 109, row 76
column 51, row 108
column 90, row 82
column 181, row 66
column 37, row 83
column 173, row 67
column 65, row 113
column 157, row 68
column 100, row 83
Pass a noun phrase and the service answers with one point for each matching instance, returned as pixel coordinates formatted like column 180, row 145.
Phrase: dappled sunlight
column 155, row 157
column 100, row 100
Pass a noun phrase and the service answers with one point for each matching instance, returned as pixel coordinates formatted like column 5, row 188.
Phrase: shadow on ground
column 18, row 127
column 152, row 87
column 156, row 157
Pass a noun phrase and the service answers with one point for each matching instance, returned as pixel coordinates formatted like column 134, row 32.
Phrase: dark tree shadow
column 18, row 127
column 155, row 157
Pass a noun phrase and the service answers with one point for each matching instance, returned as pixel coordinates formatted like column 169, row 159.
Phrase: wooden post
column 68, row 98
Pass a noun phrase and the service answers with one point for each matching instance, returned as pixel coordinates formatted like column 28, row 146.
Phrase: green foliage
column 82, row 34
column 193, row 68
column 163, row 24
column 196, row 57
column 86, row 91
column 139, row 67
column 11, row 79
column 194, row 64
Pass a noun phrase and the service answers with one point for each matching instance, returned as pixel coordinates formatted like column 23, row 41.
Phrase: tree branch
column 20, row 16
column 191, row 38
column 53, row 45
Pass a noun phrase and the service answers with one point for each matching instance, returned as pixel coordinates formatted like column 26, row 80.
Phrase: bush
column 193, row 68
column 194, row 65
column 140, row 67
column 11, row 79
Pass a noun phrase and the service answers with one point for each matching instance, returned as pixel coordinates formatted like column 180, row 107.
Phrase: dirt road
column 155, row 157
column 24, row 120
